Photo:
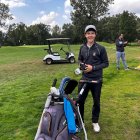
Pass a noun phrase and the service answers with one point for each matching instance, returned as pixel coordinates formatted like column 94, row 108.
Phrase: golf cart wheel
column 72, row 60
column 48, row 61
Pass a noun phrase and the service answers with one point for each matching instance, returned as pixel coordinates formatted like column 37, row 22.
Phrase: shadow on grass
column 131, row 95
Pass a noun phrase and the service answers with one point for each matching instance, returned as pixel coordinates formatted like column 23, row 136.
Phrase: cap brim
column 90, row 29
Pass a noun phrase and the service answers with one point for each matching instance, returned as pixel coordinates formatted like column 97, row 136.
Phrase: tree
column 88, row 12
column 108, row 29
column 19, row 34
column 4, row 14
column 1, row 38
column 10, row 38
column 16, row 34
column 138, row 28
column 125, row 23
column 37, row 34
column 56, row 31
column 67, row 30
column 128, row 25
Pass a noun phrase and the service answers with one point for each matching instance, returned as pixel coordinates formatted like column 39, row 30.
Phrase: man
column 92, row 58
column 120, row 44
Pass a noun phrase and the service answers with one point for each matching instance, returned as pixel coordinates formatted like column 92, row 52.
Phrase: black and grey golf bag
column 54, row 122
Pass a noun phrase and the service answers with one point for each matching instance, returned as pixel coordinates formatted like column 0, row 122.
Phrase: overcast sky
column 52, row 12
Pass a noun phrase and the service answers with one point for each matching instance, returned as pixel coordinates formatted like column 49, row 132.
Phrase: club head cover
column 63, row 84
column 70, row 86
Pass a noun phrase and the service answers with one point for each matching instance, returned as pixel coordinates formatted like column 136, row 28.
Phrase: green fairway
column 25, row 82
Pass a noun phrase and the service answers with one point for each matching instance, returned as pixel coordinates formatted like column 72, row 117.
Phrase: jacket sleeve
column 80, row 58
column 118, row 44
column 104, row 60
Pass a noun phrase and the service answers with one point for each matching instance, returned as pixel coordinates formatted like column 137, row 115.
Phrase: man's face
column 90, row 36
column 121, row 36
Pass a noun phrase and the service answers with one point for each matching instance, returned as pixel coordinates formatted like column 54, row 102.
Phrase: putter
column 80, row 94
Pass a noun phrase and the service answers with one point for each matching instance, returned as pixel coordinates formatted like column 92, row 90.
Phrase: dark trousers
column 95, row 89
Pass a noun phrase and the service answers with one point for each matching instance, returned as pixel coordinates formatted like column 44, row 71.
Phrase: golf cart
column 55, row 57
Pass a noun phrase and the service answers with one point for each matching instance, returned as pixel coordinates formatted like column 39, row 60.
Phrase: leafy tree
column 128, row 25
column 56, row 31
column 44, row 33
column 68, row 31
column 37, row 34
column 108, row 29
column 138, row 28
column 16, row 34
column 4, row 14
column 1, row 38
column 19, row 34
column 10, row 38
column 87, row 12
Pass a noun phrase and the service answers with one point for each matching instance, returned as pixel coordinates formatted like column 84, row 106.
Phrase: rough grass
column 25, row 81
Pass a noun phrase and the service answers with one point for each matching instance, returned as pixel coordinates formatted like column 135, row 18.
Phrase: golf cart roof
column 49, row 39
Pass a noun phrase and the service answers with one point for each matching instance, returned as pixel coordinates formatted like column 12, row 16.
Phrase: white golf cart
column 55, row 57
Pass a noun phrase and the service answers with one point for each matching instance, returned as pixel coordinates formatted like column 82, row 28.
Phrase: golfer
column 92, row 59
column 120, row 44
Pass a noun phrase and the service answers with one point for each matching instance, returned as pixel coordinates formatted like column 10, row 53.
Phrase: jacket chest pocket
column 95, row 55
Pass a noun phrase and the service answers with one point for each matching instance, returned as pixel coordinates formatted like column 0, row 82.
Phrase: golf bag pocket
column 63, row 134
column 44, row 137
column 46, row 124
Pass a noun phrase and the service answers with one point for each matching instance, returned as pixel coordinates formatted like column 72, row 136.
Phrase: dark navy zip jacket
column 96, row 56
column 120, row 45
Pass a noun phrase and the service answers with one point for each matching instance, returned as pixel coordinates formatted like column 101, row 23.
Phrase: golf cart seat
column 53, row 53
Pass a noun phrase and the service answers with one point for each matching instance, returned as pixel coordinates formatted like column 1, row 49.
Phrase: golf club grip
column 54, row 82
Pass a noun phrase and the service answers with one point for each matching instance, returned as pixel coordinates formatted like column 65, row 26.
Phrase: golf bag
column 55, row 122
column 53, row 125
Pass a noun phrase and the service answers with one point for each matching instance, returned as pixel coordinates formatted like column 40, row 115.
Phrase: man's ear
column 84, row 34
column 96, row 33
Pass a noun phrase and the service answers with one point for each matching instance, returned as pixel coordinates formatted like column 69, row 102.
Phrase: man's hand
column 88, row 68
column 125, row 42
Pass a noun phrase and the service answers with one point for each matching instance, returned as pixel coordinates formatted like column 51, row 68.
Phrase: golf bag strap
column 69, row 116
column 75, row 110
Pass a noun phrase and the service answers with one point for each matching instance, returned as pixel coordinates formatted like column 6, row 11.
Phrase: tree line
column 85, row 12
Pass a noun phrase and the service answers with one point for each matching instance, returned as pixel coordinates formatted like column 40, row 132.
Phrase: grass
column 25, row 81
